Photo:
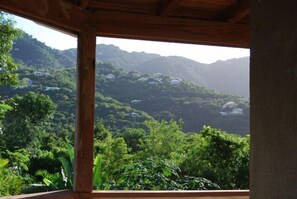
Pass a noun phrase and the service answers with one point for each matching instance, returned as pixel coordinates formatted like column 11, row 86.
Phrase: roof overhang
column 220, row 24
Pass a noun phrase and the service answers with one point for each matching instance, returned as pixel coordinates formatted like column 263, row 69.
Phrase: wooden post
column 83, row 169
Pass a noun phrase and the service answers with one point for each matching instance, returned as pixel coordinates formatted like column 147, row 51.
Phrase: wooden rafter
column 59, row 14
column 242, row 10
column 166, row 6
column 235, row 12
column 168, row 29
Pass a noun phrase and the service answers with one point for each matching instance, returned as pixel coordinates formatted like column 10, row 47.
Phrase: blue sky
column 200, row 53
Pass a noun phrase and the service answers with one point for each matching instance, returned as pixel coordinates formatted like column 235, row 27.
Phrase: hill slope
column 60, row 85
column 126, row 99
column 165, row 98
column 173, row 66
column 36, row 54
column 230, row 76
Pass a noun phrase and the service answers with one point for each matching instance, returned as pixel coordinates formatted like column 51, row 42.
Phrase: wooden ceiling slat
column 123, row 6
column 84, row 4
column 167, row 6
column 217, row 4
column 194, row 13
column 168, row 29
column 241, row 11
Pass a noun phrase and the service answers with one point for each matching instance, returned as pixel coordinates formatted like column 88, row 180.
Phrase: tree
column 7, row 65
column 218, row 156
column 114, row 151
column 7, row 35
column 164, row 140
column 23, row 125
column 132, row 137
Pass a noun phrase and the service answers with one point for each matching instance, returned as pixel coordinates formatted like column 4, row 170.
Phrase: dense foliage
column 211, row 159
column 23, row 124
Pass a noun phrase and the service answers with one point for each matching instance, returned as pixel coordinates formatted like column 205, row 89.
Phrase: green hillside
column 60, row 86
column 127, row 99
column 35, row 54
column 172, row 66
column 166, row 98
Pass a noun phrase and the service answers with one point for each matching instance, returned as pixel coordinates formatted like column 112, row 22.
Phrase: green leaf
column 3, row 162
column 49, row 183
column 70, row 151
column 67, row 168
column 98, row 174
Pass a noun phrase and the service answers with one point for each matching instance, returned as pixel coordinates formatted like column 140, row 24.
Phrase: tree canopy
column 8, row 33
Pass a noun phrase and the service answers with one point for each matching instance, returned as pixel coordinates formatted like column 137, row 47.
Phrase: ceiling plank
column 158, row 28
column 166, row 6
column 84, row 4
column 58, row 14
column 241, row 11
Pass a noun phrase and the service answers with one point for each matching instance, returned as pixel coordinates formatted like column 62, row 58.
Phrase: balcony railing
column 242, row 194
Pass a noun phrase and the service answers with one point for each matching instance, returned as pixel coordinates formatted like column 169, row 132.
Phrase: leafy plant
column 100, row 178
column 157, row 174
column 67, row 166
column 10, row 182
column 150, row 174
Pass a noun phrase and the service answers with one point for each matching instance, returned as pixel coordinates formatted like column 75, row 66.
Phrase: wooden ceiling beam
column 166, row 6
column 158, row 28
column 58, row 14
column 241, row 11
column 235, row 12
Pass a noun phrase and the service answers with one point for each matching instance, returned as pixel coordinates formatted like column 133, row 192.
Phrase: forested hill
column 230, row 76
column 165, row 98
column 126, row 99
column 35, row 54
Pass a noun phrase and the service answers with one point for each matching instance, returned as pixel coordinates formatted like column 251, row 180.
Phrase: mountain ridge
column 230, row 76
